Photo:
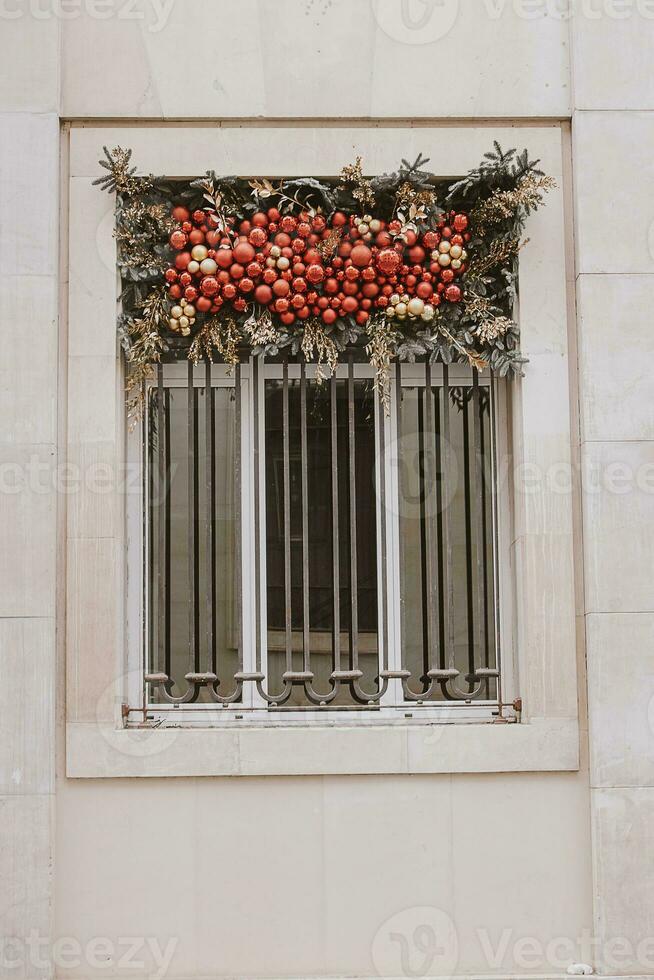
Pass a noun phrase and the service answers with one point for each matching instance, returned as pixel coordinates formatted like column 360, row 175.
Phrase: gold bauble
column 455, row 251
column 183, row 322
column 395, row 299
column 444, row 259
column 189, row 310
column 464, row 255
column 283, row 262
column 428, row 312
column 390, row 311
column 275, row 251
column 208, row 267
column 363, row 228
column 444, row 246
column 173, row 324
column 455, row 264
column 400, row 309
column 177, row 311
column 375, row 225
column 193, row 267
column 199, row 252
column 415, row 306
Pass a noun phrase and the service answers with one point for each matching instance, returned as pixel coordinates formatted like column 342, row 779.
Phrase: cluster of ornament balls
column 276, row 261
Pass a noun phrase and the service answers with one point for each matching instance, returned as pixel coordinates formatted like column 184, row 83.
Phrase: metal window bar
column 441, row 678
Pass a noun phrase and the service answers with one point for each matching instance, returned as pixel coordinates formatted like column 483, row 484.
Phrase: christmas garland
column 316, row 266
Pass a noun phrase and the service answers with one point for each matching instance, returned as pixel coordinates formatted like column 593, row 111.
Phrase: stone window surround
column 542, row 539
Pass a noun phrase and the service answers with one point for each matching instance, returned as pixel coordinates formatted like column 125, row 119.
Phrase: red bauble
column 273, row 214
column 416, row 255
column 263, row 294
column 181, row 214
column 453, row 294
column 209, row 286
column 196, row 237
column 260, row 219
column 304, row 229
column 171, row 275
column 282, row 239
column 388, row 261
column 182, row 260
column 460, row 222
column 229, row 290
column 257, row 237
column 447, row 275
column 299, row 285
column 329, row 316
column 288, row 223
column 243, row 253
column 424, row 290
column 361, row 255
column 281, row 287
column 338, row 219
column 236, row 271
column 246, row 285
column 190, row 294
column 178, row 240
column 203, row 304
column 175, row 291
column 281, row 304
column 297, row 301
column 224, row 257
column 240, row 304
column 315, row 273
column 362, row 317
column 198, row 216
column 319, row 223
column 254, row 270
column 349, row 304
column 430, row 239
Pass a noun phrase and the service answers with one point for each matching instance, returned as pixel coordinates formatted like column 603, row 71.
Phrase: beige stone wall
column 327, row 875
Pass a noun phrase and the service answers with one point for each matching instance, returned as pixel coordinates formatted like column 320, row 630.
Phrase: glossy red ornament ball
column 224, row 257
column 229, row 290
column 460, row 222
column 281, row 287
column 175, row 291
column 203, row 304
column 246, row 285
column 257, row 237
column 424, row 290
column 263, row 294
column 178, row 240
column 243, row 253
column 182, row 260
column 181, row 214
column 430, row 239
column 453, row 294
column 315, row 273
column 171, row 275
column 388, row 261
column 329, row 316
column 361, row 255
column 260, row 219
column 209, row 286
column 190, row 294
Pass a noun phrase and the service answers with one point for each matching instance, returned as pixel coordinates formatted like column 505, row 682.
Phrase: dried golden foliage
column 474, row 359
column 490, row 324
column 352, row 177
column 381, row 349
column 146, row 347
column 260, row 330
column 328, row 246
column 501, row 251
column 505, row 204
column 315, row 341
column 409, row 196
column 216, row 336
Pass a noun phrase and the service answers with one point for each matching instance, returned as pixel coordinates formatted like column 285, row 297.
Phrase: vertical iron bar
column 431, row 585
column 354, row 579
column 306, row 650
column 468, row 467
column 192, row 525
column 400, row 498
column 477, row 480
column 287, row 519
column 162, row 581
column 168, row 535
column 381, row 415
column 257, row 513
column 238, row 514
column 422, row 492
column 448, row 578
column 484, row 509
column 210, row 452
column 336, row 643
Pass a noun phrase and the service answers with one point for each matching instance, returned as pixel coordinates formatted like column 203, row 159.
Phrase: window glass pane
column 319, row 538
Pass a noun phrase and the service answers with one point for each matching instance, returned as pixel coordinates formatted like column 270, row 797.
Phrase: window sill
column 96, row 751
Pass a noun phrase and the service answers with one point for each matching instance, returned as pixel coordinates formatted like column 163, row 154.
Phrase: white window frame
column 252, row 709
column 544, row 573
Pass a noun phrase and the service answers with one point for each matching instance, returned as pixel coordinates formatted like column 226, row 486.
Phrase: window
column 309, row 550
